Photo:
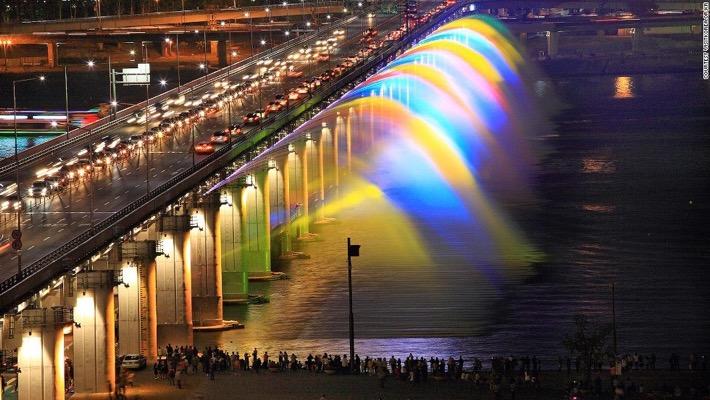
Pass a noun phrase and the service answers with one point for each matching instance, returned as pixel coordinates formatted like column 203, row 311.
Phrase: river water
column 621, row 196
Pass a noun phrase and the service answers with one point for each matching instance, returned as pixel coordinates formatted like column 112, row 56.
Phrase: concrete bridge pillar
column 351, row 119
column 94, row 339
column 327, row 156
column 523, row 38
column 286, row 230
column 279, row 222
column 133, row 263
column 51, row 54
column 173, row 293
column 222, row 53
column 235, row 278
column 637, row 39
column 40, row 356
column 553, row 41
column 167, row 49
column 338, row 131
column 205, row 270
column 137, row 316
column 256, row 224
column 295, row 201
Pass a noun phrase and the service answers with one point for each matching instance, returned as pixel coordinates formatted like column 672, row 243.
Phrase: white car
column 133, row 361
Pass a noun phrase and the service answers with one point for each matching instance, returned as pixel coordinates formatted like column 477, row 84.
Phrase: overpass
column 167, row 20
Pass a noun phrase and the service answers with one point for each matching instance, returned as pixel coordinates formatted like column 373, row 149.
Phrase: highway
column 48, row 222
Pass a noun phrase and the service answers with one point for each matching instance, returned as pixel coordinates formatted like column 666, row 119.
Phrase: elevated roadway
column 62, row 229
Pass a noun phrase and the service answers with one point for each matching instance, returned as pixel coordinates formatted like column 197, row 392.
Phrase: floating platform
column 274, row 276
column 225, row 326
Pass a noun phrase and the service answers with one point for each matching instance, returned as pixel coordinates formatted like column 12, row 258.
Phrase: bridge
column 106, row 25
column 142, row 229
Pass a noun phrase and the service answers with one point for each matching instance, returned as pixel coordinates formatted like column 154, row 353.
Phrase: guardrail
column 87, row 243
column 98, row 127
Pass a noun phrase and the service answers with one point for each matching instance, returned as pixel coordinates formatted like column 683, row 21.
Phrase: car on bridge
column 39, row 189
column 204, row 148
column 253, row 118
column 273, row 107
column 219, row 137
column 9, row 200
column 236, row 129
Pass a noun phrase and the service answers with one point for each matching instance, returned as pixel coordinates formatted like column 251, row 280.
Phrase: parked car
column 133, row 361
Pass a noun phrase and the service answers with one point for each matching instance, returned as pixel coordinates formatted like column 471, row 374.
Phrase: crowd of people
column 503, row 374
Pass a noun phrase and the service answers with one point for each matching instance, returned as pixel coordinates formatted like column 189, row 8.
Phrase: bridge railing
column 97, row 128
column 89, row 242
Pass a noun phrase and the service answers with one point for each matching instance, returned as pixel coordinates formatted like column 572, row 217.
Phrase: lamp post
column 17, row 166
column 66, row 102
column 353, row 251
column 204, row 36
column 268, row 15
column 251, row 33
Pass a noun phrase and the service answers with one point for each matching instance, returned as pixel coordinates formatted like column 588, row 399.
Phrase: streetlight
column 17, row 164
column 251, row 32
column 353, row 251
column 287, row 33
column 163, row 82
column 90, row 63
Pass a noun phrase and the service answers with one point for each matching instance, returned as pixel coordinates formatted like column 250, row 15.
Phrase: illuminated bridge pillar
column 133, row 263
column 308, row 154
column 40, row 356
column 281, row 206
column 205, row 268
column 256, row 224
column 553, row 42
column 137, row 317
column 338, row 133
column 93, row 340
column 51, row 54
column 295, row 202
column 173, row 295
column 351, row 120
column 327, row 171
column 235, row 278
column 278, row 209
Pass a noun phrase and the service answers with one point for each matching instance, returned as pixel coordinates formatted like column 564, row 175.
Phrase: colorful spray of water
column 429, row 135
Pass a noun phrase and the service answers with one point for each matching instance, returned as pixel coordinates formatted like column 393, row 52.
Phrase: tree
column 588, row 342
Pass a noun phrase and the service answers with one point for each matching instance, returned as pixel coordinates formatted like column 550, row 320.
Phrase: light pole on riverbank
column 17, row 245
column 353, row 251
